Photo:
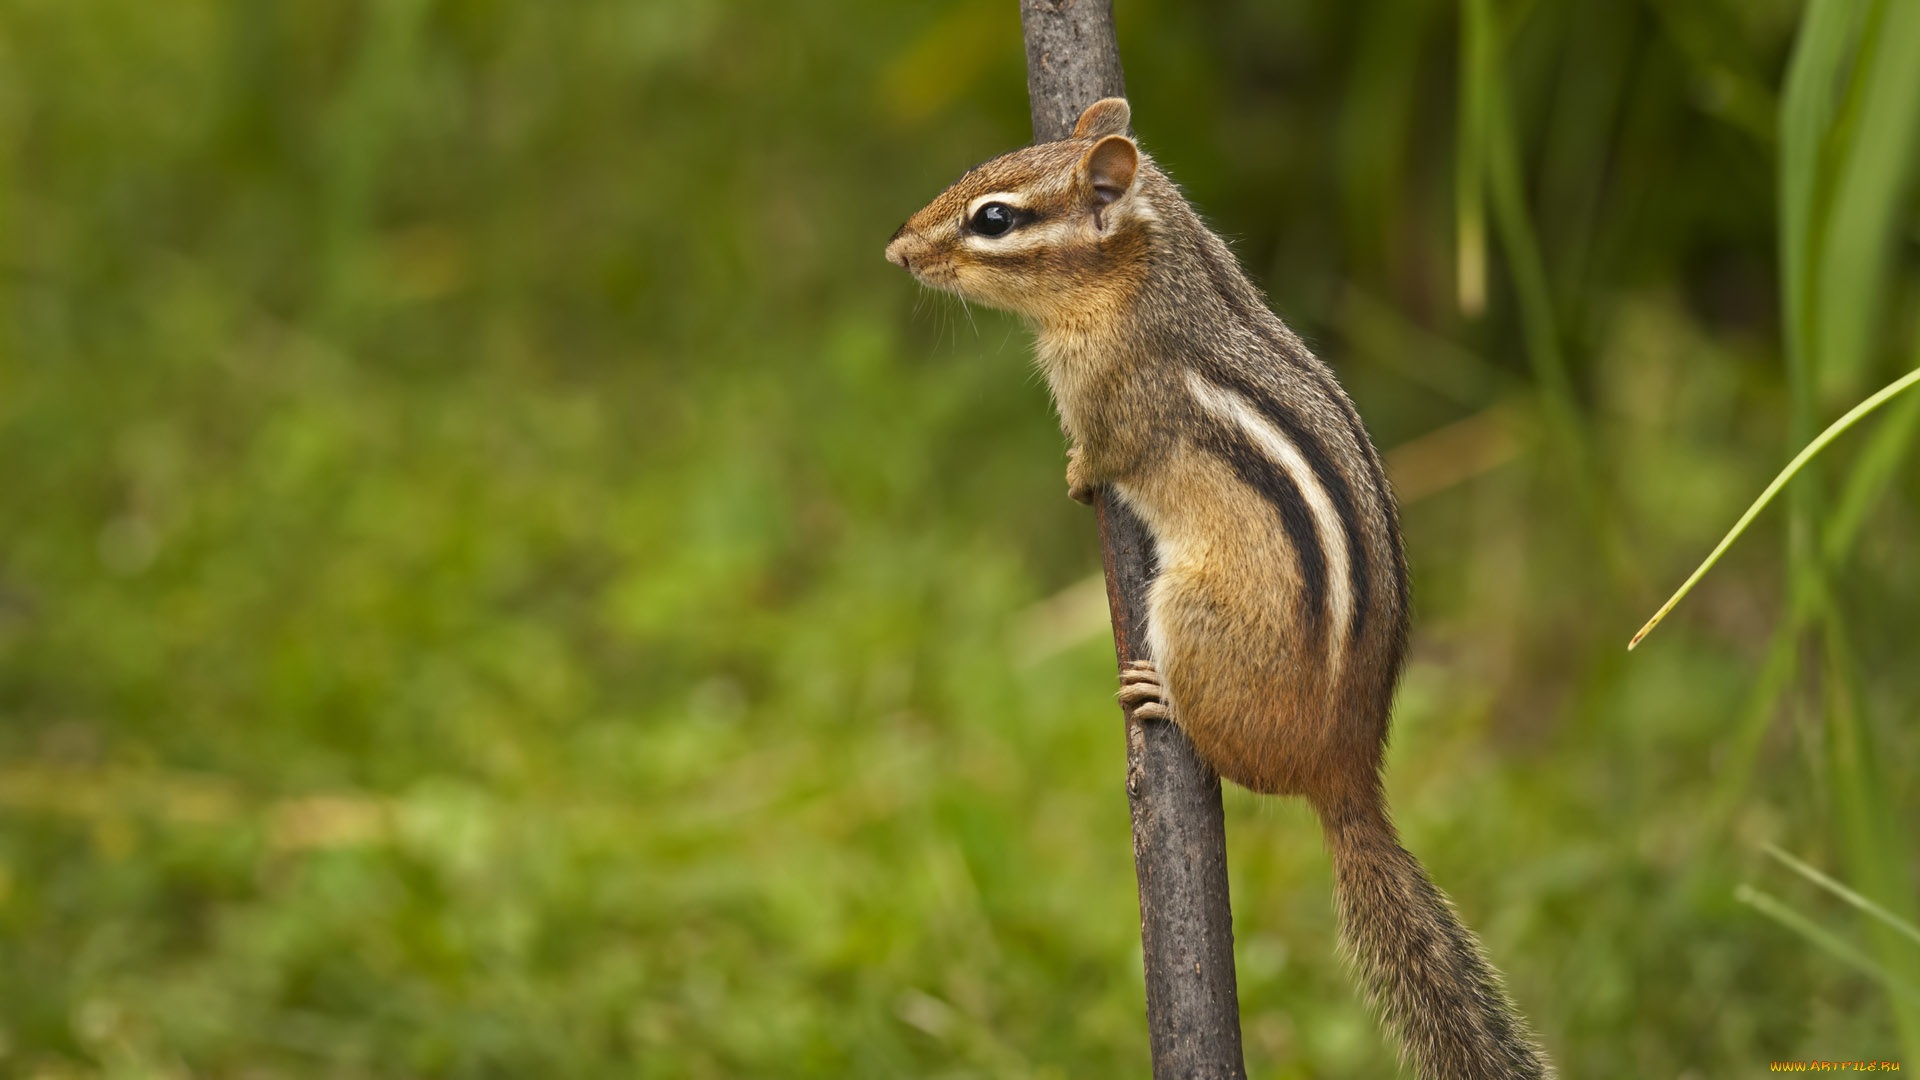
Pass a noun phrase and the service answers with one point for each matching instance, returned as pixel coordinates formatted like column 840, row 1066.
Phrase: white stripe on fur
column 1230, row 408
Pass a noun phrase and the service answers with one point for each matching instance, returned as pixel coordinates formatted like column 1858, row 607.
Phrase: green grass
column 499, row 578
column 1799, row 462
column 1845, row 164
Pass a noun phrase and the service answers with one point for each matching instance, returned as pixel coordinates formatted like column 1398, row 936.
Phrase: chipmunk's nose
column 897, row 249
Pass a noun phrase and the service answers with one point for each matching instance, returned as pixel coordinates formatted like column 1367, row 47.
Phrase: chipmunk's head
column 1055, row 231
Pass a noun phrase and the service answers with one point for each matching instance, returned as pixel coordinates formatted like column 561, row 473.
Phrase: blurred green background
column 498, row 578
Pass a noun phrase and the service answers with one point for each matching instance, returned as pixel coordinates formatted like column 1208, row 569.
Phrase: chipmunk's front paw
column 1079, row 488
column 1141, row 692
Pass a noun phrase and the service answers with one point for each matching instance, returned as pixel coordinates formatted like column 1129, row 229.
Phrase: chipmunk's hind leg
column 1142, row 693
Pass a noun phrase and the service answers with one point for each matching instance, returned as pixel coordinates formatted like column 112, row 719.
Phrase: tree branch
column 1179, row 831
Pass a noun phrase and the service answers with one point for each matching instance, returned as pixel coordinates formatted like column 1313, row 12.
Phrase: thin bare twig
column 1179, row 831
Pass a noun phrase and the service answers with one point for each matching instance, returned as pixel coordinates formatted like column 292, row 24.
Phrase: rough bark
column 1179, row 832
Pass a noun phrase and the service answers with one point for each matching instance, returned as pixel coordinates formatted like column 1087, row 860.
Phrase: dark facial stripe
column 1330, row 477
column 1263, row 475
column 1005, row 260
column 1022, row 218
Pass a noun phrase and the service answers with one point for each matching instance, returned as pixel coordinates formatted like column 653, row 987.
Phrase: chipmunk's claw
column 1079, row 488
column 1141, row 692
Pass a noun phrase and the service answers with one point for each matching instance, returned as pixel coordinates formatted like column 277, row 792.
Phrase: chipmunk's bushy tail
column 1422, row 969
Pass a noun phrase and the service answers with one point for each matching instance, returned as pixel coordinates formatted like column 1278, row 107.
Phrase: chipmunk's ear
column 1108, row 116
column 1109, row 168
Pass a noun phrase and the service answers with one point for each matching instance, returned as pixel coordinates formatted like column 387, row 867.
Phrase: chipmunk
column 1277, row 618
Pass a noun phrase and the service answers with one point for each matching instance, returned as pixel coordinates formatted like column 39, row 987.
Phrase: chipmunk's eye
column 992, row 219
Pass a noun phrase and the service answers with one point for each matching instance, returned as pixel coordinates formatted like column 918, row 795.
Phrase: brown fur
column 1145, row 326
